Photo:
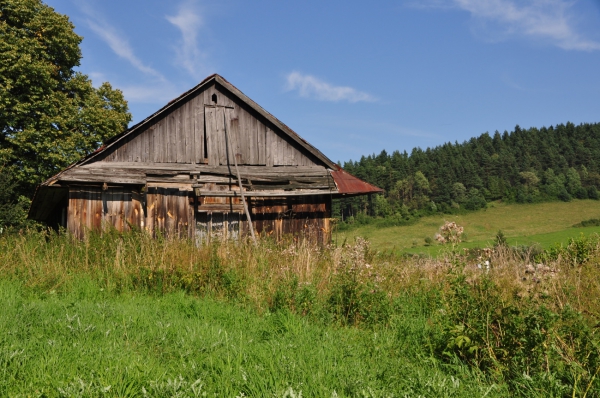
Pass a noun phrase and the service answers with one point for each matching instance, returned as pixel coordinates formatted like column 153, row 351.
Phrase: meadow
column 544, row 224
column 127, row 316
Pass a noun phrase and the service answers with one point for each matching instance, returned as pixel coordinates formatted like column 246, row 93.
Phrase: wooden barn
column 210, row 163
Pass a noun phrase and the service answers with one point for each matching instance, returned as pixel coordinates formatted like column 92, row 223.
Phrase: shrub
column 450, row 232
column 581, row 193
column 564, row 195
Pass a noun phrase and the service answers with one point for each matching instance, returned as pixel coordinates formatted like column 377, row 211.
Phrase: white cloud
column 311, row 87
column 121, row 47
column 151, row 94
column 189, row 22
column 550, row 20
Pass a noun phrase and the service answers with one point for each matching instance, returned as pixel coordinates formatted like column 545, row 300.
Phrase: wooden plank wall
column 180, row 137
column 84, row 211
column 306, row 217
column 170, row 212
column 94, row 209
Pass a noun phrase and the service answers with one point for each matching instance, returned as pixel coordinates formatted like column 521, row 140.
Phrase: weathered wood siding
column 94, row 208
column 170, row 212
column 194, row 133
column 174, row 212
column 305, row 216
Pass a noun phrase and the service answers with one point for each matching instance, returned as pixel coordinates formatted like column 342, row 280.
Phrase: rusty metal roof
column 347, row 184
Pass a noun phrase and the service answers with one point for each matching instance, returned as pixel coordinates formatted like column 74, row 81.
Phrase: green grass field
column 125, row 315
column 523, row 224
column 90, row 343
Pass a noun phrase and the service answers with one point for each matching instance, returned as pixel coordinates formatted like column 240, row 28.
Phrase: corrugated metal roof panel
column 347, row 184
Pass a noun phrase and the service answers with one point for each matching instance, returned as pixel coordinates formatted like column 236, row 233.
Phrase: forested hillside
column 532, row 165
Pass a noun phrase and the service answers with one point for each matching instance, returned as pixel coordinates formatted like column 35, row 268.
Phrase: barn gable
column 190, row 130
column 210, row 160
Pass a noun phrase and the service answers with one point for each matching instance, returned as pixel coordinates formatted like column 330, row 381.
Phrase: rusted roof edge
column 347, row 184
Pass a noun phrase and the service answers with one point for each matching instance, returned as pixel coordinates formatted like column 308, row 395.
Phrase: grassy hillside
column 522, row 224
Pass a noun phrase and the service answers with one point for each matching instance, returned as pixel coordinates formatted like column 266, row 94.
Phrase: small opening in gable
column 214, row 98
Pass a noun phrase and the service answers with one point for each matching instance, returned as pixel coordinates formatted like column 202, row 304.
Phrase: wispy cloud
column 311, row 87
column 121, row 47
column 156, row 94
column 115, row 40
column 551, row 20
column 189, row 21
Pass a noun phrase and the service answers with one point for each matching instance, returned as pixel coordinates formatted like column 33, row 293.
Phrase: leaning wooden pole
column 239, row 178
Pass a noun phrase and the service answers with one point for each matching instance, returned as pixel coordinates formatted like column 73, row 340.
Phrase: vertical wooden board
column 125, row 207
column 150, row 212
column 178, row 213
column 71, row 213
column 189, row 133
column 150, row 154
column 92, row 210
column 122, row 151
column 223, row 98
column 127, row 154
column 287, row 153
column 245, row 124
column 135, row 148
column 198, row 123
column 172, row 135
column 251, row 140
column 156, row 155
column 170, row 218
column 210, row 115
column 118, row 207
column 154, row 146
column 85, row 211
column 220, row 135
column 159, row 223
column 260, row 142
column 166, row 140
column 181, row 117
column 78, row 215
column 269, row 136
column 290, row 159
column 191, row 218
column 163, row 143
column 291, row 155
column 179, row 134
column 234, row 134
column 110, row 216
column 116, row 210
column 97, row 223
column 146, row 152
column 306, row 161
column 279, row 155
column 183, row 214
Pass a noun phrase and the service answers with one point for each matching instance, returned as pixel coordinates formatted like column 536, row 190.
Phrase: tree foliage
column 526, row 165
column 51, row 115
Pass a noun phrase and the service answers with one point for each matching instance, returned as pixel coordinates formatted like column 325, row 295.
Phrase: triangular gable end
column 191, row 129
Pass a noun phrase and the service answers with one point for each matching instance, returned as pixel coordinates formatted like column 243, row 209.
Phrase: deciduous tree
column 50, row 114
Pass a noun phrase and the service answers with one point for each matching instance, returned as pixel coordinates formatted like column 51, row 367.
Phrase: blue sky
column 354, row 77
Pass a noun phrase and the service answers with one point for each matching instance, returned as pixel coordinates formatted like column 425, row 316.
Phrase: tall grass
column 529, row 321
